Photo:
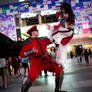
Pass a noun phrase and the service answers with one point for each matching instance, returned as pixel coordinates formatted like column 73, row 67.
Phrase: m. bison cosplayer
column 35, row 48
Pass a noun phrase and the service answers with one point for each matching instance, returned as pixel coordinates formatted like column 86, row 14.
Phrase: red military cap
column 32, row 29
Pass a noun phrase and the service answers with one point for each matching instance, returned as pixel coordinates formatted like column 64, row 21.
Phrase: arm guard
column 29, row 52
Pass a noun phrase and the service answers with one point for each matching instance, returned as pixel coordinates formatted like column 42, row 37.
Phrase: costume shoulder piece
column 27, row 41
column 45, row 37
column 9, row 48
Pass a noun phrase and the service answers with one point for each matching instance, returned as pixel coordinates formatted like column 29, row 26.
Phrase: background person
column 79, row 52
column 15, row 65
column 86, row 55
column 4, row 72
column 25, row 65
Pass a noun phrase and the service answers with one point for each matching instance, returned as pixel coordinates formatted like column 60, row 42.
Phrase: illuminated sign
column 85, row 26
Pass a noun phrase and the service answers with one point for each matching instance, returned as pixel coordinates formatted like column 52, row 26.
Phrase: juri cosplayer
column 62, row 35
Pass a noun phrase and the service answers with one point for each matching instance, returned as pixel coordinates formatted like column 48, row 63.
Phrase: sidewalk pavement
column 77, row 78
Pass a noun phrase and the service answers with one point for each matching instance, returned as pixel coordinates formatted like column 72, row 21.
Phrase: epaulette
column 45, row 37
column 27, row 41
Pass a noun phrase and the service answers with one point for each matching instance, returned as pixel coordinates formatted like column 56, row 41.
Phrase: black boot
column 60, row 91
column 58, row 83
column 25, row 85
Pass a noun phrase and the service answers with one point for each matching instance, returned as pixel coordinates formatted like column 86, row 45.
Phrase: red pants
column 39, row 64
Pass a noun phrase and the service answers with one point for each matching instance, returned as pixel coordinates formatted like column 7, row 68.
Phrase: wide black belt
column 40, row 56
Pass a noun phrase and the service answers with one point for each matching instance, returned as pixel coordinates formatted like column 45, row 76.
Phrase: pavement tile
column 77, row 78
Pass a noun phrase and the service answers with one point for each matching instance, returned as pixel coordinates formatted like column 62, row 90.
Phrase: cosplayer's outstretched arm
column 9, row 48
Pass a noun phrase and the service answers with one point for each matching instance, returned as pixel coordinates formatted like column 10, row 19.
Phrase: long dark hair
column 68, row 9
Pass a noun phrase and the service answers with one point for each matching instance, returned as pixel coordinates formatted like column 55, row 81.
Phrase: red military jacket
column 39, row 43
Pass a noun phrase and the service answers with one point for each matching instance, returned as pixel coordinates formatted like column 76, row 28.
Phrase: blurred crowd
column 12, row 66
column 81, row 52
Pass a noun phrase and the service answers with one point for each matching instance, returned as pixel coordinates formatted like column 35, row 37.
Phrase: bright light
column 69, row 48
column 21, row 0
column 48, row 12
column 28, row 15
column 85, row 26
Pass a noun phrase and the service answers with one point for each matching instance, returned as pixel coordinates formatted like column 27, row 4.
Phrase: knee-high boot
column 26, row 85
column 58, row 83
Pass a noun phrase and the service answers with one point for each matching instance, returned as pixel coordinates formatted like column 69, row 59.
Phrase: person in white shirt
column 4, row 72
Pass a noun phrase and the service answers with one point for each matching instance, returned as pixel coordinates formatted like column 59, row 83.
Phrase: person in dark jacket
column 79, row 51
column 86, row 55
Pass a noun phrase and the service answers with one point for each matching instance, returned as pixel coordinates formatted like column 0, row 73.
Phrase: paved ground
column 77, row 78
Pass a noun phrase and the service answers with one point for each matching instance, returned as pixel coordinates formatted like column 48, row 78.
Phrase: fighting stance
column 36, row 50
column 62, row 33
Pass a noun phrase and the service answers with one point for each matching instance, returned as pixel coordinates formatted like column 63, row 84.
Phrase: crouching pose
column 36, row 50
